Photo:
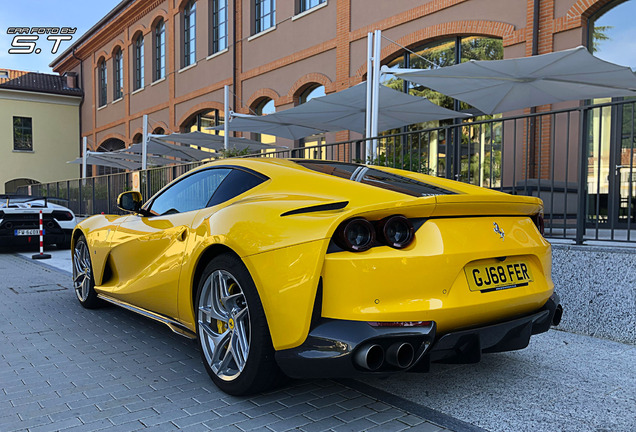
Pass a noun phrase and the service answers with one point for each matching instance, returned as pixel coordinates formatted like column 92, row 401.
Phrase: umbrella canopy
column 152, row 160
column 496, row 86
column 103, row 159
column 161, row 148
column 271, row 124
column 344, row 110
column 214, row 142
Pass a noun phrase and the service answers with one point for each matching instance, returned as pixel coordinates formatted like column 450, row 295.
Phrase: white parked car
column 20, row 221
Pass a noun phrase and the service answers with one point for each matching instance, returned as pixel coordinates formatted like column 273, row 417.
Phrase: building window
column 305, row 5
column 118, row 75
column 22, row 134
column 219, row 25
column 264, row 15
column 265, row 107
column 102, row 84
column 189, row 34
column 160, row 50
column 139, row 62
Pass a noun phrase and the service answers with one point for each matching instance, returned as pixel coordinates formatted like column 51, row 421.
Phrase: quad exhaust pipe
column 400, row 355
column 371, row 357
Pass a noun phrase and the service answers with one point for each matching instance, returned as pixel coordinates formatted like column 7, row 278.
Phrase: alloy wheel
column 224, row 325
column 82, row 271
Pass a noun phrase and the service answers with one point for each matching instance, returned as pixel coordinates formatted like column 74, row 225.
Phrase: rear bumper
column 58, row 238
column 333, row 348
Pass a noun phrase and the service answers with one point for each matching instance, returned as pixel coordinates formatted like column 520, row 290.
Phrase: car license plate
column 27, row 232
column 497, row 275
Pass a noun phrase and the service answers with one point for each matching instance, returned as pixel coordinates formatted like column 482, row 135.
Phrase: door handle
column 183, row 234
column 618, row 168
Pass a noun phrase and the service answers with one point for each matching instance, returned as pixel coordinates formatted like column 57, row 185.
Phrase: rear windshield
column 374, row 177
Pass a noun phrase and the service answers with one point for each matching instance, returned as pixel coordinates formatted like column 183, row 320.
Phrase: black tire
column 84, row 287
column 259, row 370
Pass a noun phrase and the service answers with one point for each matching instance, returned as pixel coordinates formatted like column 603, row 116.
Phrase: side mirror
column 130, row 201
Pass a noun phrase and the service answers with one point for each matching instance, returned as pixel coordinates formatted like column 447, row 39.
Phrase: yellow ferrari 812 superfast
column 311, row 268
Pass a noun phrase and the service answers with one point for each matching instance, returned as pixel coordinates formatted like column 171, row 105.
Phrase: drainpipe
column 81, row 81
column 532, row 166
column 233, row 59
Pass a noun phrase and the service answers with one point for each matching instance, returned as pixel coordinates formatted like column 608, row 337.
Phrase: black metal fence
column 579, row 161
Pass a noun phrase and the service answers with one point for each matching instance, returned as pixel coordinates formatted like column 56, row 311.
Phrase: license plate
column 497, row 275
column 27, row 232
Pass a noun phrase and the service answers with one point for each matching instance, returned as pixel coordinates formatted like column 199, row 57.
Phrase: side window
column 237, row 182
column 191, row 193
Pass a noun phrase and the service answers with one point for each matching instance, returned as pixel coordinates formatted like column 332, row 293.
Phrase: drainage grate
column 33, row 289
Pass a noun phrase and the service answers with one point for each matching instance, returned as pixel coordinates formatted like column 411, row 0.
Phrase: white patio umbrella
column 134, row 157
column 271, row 124
column 344, row 110
column 214, row 142
column 495, row 86
column 103, row 159
column 160, row 148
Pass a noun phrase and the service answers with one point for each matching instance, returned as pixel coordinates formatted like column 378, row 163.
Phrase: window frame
column 102, row 71
column 160, row 50
column 118, row 74
column 23, row 127
column 150, row 203
column 218, row 41
column 189, row 34
column 139, row 62
column 305, row 5
column 259, row 20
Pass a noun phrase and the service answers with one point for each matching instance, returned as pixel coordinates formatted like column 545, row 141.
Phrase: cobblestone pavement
column 66, row 368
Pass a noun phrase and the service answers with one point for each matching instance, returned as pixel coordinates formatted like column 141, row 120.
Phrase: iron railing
column 579, row 161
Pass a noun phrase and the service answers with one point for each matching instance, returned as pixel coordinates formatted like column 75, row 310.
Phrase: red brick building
column 171, row 58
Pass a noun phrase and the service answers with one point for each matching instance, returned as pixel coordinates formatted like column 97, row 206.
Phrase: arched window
column 118, row 74
column 160, row 50
column 441, row 53
column 103, row 86
column 218, row 31
column 158, row 131
column 139, row 62
column 264, row 107
column 137, row 138
column 310, row 93
column 612, row 33
column 189, row 33
column 314, row 140
column 111, row 144
column 203, row 119
column 612, row 130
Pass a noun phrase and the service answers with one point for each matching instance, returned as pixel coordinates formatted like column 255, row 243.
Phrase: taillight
column 62, row 215
column 401, row 324
column 396, row 231
column 539, row 222
column 356, row 235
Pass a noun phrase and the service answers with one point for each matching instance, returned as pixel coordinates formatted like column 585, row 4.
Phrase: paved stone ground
column 66, row 368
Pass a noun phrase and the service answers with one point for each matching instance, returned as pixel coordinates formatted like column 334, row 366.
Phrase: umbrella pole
column 367, row 127
column 84, row 147
column 144, row 148
column 226, row 118
column 376, row 93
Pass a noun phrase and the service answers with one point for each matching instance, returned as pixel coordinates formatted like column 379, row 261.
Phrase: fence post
column 580, row 214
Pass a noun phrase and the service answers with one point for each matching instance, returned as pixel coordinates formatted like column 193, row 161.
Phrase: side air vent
column 317, row 208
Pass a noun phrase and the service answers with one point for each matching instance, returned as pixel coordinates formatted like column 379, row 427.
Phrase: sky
column 80, row 14
column 621, row 46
